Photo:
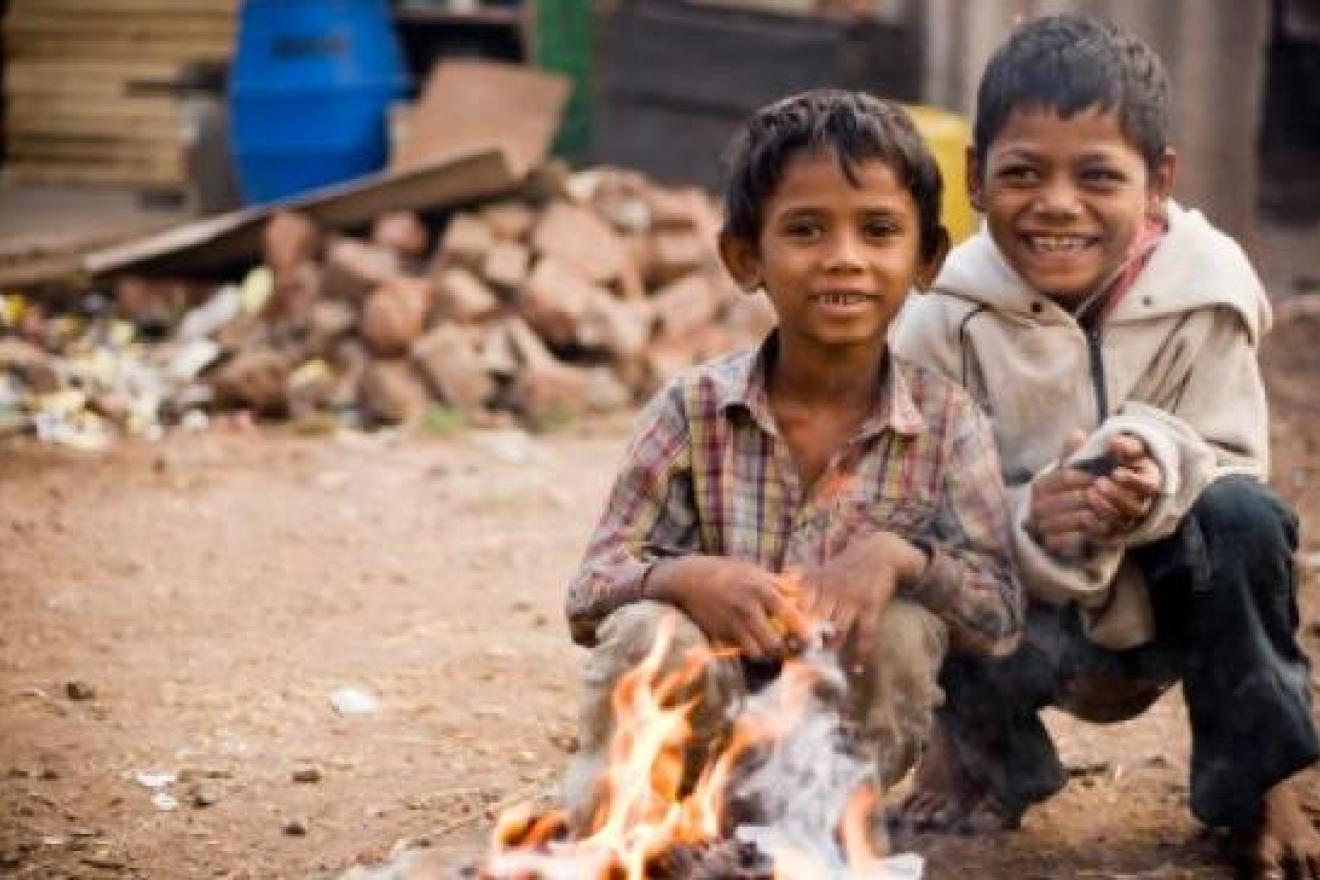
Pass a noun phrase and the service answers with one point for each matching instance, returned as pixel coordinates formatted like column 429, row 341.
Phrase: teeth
column 842, row 299
column 1057, row 242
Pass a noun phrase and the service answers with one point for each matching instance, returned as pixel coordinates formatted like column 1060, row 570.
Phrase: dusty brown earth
column 190, row 607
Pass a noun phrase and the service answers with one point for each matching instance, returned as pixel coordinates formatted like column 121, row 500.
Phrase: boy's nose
column 844, row 252
column 1057, row 198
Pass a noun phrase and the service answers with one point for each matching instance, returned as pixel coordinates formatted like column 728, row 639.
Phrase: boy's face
column 836, row 259
column 1064, row 198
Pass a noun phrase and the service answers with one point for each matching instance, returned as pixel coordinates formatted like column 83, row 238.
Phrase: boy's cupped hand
column 737, row 604
column 1074, row 510
column 854, row 588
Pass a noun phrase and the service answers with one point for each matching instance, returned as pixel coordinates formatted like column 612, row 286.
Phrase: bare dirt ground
column 190, row 608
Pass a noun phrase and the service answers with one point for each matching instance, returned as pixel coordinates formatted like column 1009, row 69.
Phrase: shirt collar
column 745, row 387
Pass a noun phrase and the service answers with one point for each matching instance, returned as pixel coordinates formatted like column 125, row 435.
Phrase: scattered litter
column 154, row 779
column 295, row 828
column 159, row 782
column 352, row 701
column 164, row 801
column 192, row 774
column 200, row 797
column 307, row 774
column 224, row 306
column 1088, row 768
column 257, row 288
column 194, row 420
column 104, row 861
column 510, row 447
column 79, row 690
column 191, row 358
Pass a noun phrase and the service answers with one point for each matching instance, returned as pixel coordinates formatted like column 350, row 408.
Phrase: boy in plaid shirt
column 875, row 481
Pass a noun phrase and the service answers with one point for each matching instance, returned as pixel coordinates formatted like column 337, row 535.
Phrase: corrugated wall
column 1215, row 53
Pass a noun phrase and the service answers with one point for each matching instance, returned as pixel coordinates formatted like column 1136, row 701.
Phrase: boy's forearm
column 669, row 578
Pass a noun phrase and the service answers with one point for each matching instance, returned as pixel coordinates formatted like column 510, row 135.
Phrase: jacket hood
column 1194, row 267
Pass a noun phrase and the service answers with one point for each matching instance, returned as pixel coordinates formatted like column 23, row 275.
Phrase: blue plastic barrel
column 310, row 86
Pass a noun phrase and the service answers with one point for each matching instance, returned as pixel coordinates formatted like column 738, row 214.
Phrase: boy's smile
column 836, row 256
column 1065, row 198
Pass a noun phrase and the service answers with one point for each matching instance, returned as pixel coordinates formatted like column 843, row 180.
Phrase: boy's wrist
column 923, row 552
column 660, row 583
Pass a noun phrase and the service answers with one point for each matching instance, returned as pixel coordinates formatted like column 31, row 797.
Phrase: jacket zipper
column 1093, row 340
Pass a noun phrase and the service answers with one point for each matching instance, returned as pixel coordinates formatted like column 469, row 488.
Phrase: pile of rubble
column 581, row 293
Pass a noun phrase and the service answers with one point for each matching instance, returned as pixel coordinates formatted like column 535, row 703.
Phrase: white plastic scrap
column 352, row 701
column 159, row 782
column 154, row 779
column 225, row 305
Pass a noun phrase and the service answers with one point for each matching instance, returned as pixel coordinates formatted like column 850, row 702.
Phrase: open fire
column 790, row 794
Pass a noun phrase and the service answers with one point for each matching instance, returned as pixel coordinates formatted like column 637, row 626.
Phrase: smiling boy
column 876, row 483
column 1112, row 337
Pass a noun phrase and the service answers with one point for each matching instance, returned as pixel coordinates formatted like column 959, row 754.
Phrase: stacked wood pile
column 83, row 96
column 582, row 296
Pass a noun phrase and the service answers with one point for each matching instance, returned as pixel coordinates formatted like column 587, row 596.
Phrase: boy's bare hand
column 1122, row 498
column 735, row 603
column 1073, row 511
column 1061, row 517
column 853, row 589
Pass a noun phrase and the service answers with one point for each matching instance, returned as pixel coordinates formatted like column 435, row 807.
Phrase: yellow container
column 948, row 136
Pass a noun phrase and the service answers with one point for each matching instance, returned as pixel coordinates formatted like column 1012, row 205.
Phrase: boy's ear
column 742, row 260
column 1160, row 187
column 930, row 267
column 975, row 192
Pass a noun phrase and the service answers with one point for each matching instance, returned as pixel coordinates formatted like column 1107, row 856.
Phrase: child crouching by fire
column 815, row 479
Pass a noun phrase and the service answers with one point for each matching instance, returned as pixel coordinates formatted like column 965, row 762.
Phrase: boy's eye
column 881, row 227
column 802, row 228
column 1103, row 176
column 1018, row 174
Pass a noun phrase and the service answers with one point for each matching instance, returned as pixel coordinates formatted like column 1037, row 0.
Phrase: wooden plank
column 92, row 126
column 31, row 170
column 219, row 242
column 130, row 49
column 91, row 149
column 99, row 25
column 147, row 107
column 75, row 129
column 171, row 162
column 93, row 90
column 227, row 8
column 54, row 172
column 32, row 75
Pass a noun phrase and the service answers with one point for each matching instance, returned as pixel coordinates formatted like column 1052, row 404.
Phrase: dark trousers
column 1224, row 590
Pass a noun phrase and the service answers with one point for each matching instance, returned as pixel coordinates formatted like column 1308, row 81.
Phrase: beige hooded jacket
column 1175, row 363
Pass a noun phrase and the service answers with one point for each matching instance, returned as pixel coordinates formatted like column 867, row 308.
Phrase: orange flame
column 643, row 810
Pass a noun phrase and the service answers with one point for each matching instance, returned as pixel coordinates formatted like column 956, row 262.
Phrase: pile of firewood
column 580, row 295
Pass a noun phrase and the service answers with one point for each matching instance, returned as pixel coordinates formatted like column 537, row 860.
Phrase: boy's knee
column 1241, row 510
column 627, row 635
column 902, row 690
column 625, row 639
column 910, row 638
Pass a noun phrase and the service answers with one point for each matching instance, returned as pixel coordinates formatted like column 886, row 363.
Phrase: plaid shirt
column 708, row 472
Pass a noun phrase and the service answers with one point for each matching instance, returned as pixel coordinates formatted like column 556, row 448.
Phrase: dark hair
column 854, row 127
column 1070, row 63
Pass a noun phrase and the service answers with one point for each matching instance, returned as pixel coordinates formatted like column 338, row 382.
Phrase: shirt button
column 1036, row 307
column 1146, row 301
